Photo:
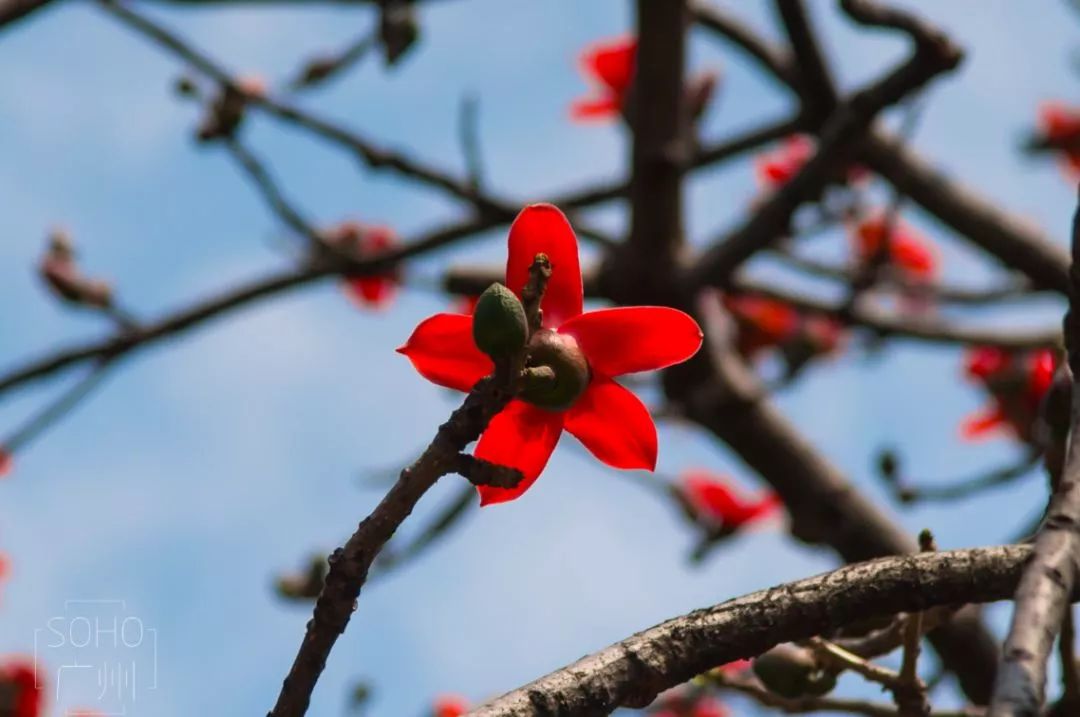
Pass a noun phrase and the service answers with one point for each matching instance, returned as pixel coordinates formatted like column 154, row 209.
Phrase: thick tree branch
column 933, row 55
column 13, row 10
column 727, row 399
column 632, row 672
column 817, row 91
column 1016, row 244
column 1042, row 596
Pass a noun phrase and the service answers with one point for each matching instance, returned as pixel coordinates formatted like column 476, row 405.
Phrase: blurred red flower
column 908, row 251
column 1017, row 383
column 608, row 419
column 21, row 694
column 610, row 67
column 361, row 241
column 449, row 706
column 713, row 498
column 1059, row 125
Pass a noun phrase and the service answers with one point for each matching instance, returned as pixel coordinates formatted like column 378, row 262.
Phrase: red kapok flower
column 683, row 703
column 607, row 418
column 21, row 694
column 713, row 498
column 1017, row 383
column 909, row 251
column 762, row 323
column 364, row 240
column 1059, row 125
column 610, row 66
column 776, row 168
column 449, row 706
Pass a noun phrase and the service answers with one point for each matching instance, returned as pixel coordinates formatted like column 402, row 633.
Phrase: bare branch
column 632, row 672
column 1042, row 596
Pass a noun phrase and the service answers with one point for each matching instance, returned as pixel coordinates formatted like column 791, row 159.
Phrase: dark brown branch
column 632, row 672
column 1016, row 244
column 932, row 56
column 660, row 152
column 350, row 563
column 13, row 10
column 127, row 342
column 1042, row 596
column 268, row 188
column 1016, row 288
column 804, row 705
column 55, row 410
column 777, row 63
column 942, row 492
column 888, row 323
column 728, row 400
column 817, row 91
column 371, row 155
column 471, row 281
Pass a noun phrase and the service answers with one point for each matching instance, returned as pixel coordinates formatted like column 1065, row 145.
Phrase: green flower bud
column 792, row 672
column 499, row 325
column 556, row 371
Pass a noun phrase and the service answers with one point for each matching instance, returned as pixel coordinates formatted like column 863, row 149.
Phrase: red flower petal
column 982, row 362
column 612, row 63
column 521, row 436
column 542, row 228
column 442, row 350
column 5, row 463
column 614, row 425
column 29, row 695
column 599, row 108
column 373, row 291
column 450, row 706
column 1043, row 367
column 634, row 338
column 980, row 425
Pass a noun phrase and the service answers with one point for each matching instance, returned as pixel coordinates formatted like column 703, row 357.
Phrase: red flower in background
column 6, row 463
column 687, row 705
column 713, row 498
column 361, row 241
column 610, row 67
column 608, row 419
column 21, row 695
column 762, row 323
column 1059, row 126
column 909, row 251
column 449, row 706
column 1017, row 383
column 776, row 168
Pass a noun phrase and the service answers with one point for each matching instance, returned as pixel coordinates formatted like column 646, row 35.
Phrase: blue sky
column 205, row 466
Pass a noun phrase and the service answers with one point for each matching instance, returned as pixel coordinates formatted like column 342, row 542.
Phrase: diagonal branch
column 632, row 672
column 934, row 54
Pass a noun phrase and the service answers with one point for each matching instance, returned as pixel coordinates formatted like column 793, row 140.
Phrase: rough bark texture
column 1042, row 597
column 632, row 672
